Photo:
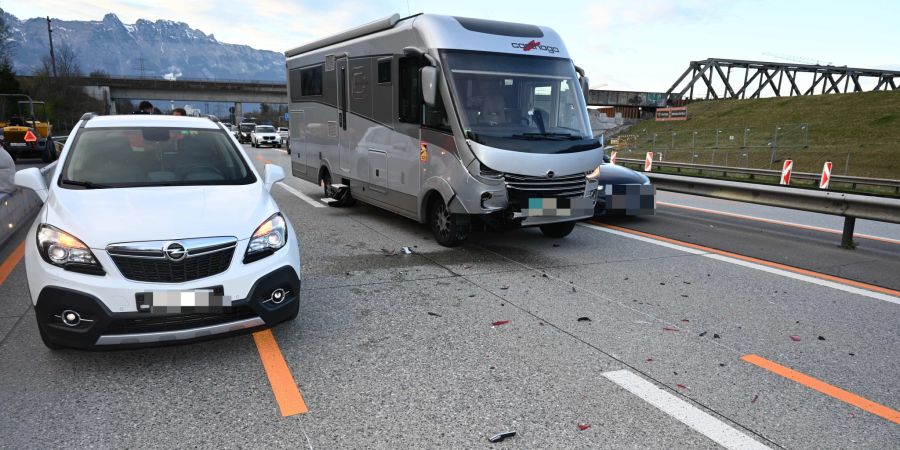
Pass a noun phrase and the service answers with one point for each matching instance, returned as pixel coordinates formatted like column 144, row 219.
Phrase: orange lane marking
column 263, row 160
column 778, row 222
column 825, row 388
column 822, row 276
column 287, row 394
column 11, row 261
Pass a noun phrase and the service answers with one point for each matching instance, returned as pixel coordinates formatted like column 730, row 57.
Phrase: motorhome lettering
column 438, row 119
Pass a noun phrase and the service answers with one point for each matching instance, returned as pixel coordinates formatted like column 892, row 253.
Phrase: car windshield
column 265, row 129
column 523, row 103
column 132, row 157
column 247, row 128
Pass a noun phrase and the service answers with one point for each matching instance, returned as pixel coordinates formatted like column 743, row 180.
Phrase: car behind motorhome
column 448, row 121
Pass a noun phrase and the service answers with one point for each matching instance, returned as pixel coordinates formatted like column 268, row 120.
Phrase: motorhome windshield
column 521, row 103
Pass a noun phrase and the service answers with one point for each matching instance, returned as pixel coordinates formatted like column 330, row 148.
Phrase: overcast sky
column 639, row 45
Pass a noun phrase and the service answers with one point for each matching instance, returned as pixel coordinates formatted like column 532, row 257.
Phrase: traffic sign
column 30, row 137
column 648, row 162
column 786, row 172
column 612, row 158
column 286, row 117
column 826, row 175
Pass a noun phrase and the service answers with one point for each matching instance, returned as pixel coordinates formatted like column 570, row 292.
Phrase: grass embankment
column 858, row 132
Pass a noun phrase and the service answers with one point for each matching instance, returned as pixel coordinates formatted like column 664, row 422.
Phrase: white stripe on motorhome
column 707, row 425
column 302, row 196
column 773, row 270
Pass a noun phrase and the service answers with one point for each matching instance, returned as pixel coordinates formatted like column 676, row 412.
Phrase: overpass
column 110, row 89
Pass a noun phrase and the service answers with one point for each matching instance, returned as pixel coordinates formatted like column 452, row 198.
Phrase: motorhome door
column 340, row 71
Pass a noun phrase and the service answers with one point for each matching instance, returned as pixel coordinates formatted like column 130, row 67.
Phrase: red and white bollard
column 826, row 175
column 612, row 157
column 648, row 162
column 786, row 172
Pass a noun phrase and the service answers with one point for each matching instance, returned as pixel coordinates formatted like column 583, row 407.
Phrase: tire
column 448, row 229
column 47, row 343
column 557, row 230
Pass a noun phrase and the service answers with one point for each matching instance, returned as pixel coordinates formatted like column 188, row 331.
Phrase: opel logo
column 551, row 174
column 175, row 251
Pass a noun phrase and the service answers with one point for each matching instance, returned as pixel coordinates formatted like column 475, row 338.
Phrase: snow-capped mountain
column 161, row 49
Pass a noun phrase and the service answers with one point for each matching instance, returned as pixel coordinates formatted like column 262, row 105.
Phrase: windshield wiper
column 547, row 136
column 85, row 184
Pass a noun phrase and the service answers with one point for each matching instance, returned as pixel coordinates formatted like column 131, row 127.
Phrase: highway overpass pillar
column 238, row 113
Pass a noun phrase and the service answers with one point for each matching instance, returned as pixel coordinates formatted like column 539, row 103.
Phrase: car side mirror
column 429, row 85
column 585, row 87
column 33, row 179
column 273, row 174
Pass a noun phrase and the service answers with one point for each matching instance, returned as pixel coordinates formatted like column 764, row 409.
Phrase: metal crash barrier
column 850, row 206
column 17, row 208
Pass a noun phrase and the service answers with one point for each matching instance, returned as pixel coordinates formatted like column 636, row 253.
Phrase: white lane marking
column 764, row 268
column 807, row 278
column 776, row 222
column 692, row 251
column 301, row 195
column 707, row 425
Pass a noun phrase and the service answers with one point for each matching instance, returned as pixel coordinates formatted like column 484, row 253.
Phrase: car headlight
column 270, row 236
column 61, row 249
column 594, row 174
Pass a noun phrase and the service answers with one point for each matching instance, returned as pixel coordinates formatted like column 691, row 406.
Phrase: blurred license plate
column 18, row 144
column 193, row 301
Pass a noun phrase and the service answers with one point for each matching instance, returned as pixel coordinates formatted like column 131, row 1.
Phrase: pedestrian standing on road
column 7, row 172
column 145, row 107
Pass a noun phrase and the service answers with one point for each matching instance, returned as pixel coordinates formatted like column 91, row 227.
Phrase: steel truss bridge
column 732, row 79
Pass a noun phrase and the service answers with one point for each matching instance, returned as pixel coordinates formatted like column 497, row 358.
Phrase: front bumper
column 625, row 199
column 101, row 328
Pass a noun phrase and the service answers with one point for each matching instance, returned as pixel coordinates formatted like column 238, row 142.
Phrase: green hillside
column 862, row 128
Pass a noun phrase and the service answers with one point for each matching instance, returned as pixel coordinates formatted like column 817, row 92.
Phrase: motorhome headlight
column 594, row 174
column 61, row 249
column 270, row 236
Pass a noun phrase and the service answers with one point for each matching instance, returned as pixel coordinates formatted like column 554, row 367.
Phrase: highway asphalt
column 604, row 339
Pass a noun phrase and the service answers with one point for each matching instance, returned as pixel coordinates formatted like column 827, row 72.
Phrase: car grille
column 173, row 322
column 522, row 187
column 147, row 261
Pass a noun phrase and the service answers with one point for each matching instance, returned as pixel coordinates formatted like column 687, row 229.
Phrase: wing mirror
column 33, row 179
column 429, row 85
column 273, row 174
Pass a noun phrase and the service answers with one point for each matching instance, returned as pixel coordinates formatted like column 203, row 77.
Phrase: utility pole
column 52, row 55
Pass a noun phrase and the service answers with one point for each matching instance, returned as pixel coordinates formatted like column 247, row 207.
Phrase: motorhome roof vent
column 500, row 28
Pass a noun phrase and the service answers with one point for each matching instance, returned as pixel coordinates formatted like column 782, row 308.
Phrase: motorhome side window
column 384, row 70
column 410, row 91
column 311, row 81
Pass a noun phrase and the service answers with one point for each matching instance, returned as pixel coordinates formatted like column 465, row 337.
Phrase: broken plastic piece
column 434, row 314
column 499, row 437
column 821, row 338
column 671, row 329
column 795, row 338
column 703, row 334
column 716, row 336
column 407, row 250
column 685, row 320
column 681, row 386
column 649, row 359
column 583, row 426
column 499, row 322
column 504, row 288
column 755, row 397
column 390, row 252
column 584, row 319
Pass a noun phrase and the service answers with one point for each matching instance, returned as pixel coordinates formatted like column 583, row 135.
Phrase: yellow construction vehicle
column 24, row 135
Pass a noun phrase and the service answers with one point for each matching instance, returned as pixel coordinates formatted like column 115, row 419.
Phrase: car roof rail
column 87, row 116
column 213, row 118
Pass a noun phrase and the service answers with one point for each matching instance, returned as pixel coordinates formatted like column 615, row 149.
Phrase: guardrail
column 18, row 207
column 725, row 170
column 850, row 206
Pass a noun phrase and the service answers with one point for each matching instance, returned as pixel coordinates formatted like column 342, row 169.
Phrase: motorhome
column 448, row 121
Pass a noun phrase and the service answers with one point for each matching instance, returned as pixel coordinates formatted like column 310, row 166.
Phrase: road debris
column 755, row 397
column 544, row 275
column 795, row 338
column 556, row 245
column 584, row 319
column 685, row 320
column 716, row 336
column 703, row 334
column 671, row 329
column 434, row 314
column 471, row 295
column 407, row 251
column 499, row 322
column 821, row 338
column 681, row 386
column 391, row 252
column 573, row 289
column 503, row 288
column 499, row 437
column 649, row 359
column 721, row 364
column 583, row 426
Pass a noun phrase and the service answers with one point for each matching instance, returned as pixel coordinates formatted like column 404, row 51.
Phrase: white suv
column 157, row 229
column 264, row 135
